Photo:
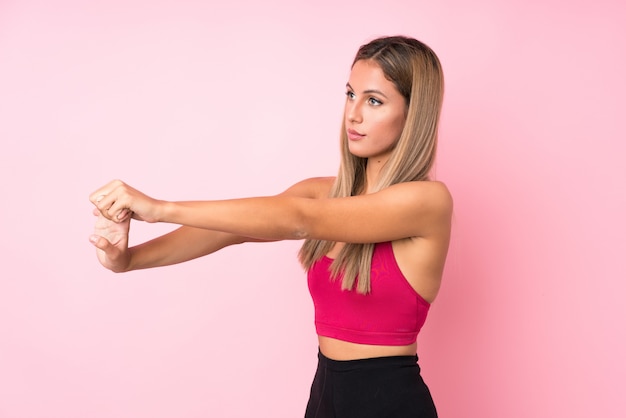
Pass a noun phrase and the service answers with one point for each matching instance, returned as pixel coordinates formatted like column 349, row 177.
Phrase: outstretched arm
column 183, row 244
column 415, row 209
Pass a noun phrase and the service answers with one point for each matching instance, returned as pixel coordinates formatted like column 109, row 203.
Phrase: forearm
column 264, row 218
column 183, row 244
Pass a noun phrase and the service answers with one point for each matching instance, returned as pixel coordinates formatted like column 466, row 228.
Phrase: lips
column 354, row 135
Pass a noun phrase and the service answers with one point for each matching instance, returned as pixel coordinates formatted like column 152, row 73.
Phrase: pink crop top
column 391, row 314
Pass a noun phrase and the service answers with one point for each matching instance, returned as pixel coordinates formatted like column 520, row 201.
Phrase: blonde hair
column 416, row 72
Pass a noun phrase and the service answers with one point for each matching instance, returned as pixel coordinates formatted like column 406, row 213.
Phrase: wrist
column 164, row 212
column 129, row 264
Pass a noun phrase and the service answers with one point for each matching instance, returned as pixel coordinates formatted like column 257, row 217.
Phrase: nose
column 353, row 112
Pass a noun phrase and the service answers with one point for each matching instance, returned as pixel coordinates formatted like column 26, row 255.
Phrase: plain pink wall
column 199, row 100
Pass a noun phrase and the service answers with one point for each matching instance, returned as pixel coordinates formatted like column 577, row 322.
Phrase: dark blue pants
column 383, row 387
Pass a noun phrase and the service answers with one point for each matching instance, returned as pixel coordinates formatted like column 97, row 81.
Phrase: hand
column 119, row 202
column 111, row 240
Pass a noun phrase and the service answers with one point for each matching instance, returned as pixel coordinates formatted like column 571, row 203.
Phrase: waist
column 343, row 350
column 367, row 363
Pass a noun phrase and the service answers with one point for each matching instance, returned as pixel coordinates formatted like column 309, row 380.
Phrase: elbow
column 299, row 221
column 300, row 228
column 302, row 225
column 299, row 234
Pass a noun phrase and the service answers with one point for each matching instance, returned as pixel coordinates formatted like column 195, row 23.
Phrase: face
column 375, row 112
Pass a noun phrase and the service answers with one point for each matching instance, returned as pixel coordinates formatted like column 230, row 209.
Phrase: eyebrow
column 368, row 91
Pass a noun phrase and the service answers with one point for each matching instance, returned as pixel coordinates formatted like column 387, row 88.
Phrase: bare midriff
column 343, row 350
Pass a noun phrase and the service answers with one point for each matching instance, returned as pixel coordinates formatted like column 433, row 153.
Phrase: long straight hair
column 416, row 72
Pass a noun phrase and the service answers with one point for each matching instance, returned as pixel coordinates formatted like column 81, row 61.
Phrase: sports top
column 391, row 314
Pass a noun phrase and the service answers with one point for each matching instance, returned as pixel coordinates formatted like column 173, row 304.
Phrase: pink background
column 192, row 100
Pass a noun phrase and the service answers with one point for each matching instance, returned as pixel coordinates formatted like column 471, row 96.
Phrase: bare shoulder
column 425, row 195
column 312, row 188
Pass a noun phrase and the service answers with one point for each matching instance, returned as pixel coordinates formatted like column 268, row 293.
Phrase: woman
column 376, row 236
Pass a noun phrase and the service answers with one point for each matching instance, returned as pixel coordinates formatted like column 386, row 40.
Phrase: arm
column 400, row 211
column 183, row 244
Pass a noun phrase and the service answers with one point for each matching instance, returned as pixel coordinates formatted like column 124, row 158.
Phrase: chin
column 365, row 154
column 358, row 153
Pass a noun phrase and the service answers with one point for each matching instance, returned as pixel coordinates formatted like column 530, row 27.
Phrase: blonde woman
column 375, row 237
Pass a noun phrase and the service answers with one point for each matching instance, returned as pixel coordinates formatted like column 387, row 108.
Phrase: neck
column 372, row 172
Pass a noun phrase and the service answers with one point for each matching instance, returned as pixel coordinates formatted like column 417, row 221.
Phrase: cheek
column 396, row 126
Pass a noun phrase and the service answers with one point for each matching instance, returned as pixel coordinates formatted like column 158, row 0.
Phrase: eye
column 374, row 101
column 350, row 94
